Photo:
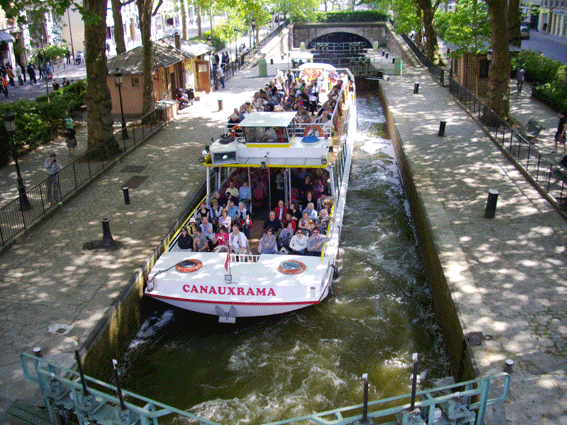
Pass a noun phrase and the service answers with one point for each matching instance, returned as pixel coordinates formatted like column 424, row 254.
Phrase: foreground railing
column 68, row 394
column 541, row 167
column 43, row 197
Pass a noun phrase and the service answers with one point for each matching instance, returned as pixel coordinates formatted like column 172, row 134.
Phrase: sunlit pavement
column 507, row 275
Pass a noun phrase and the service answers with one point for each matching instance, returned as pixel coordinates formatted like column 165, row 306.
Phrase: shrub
column 352, row 16
column 539, row 69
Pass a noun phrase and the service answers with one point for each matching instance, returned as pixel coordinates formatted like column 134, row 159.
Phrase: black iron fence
column 542, row 168
column 437, row 72
column 18, row 215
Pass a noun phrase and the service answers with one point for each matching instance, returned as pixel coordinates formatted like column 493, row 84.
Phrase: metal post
column 24, row 201
column 365, row 406
column 414, row 381
column 491, row 204
column 442, row 125
column 107, row 240
column 117, row 382
column 80, row 367
column 416, row 88
column 126, row 195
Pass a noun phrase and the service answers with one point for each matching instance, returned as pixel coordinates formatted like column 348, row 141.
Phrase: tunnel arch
column 340, row 37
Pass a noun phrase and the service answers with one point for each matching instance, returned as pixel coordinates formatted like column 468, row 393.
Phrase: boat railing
column 244, row 258
column 67, row 392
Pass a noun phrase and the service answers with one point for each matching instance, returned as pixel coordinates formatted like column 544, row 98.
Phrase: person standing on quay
column 52, row 168
column 520, row 76
column 561, row 133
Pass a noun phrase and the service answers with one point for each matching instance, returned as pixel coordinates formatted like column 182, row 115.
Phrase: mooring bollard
column 416, row 88
column 37, row 351
column 126, row 195
column 387, row 55
column 393, row 60
column 491, row 203
column 107, row 240
column 442, row 125
column 220, row 104
column 383, row 52
column 508, row 364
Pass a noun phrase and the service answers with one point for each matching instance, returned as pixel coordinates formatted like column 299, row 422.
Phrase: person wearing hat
column 52, row 168
column 192, row 224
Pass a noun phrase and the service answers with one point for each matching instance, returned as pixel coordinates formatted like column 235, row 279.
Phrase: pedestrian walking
column 520, row 75
column 52, row 168
column 18, row 74
column 10, row 74
column 23, row 71
column 561, row 134
column 220, row 75
column 5, row 84
column 31, row 73
column 71, row 141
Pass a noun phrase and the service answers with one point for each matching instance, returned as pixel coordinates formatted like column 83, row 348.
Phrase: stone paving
column 51, row 291
column 507, row 275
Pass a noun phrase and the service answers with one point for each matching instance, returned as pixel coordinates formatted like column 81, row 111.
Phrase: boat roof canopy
column 268, row 119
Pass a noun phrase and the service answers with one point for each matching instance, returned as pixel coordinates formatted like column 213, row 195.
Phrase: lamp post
column 10, row 123
column 253, row 22
column 236, row 44
column 118, row 82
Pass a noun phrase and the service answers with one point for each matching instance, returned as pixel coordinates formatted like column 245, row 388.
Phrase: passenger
column 241, row 215
column 304, row 223
column 220, row 199
column 203, row 211
column 185, row 241
column 207, row 229
column 311, row 211
column 295, row 212
column 221, row 239
column 192, row 226
column 289, row 219
column 200, row 242
column 273, row 222
column 270, row 135
column 224, row 219
column 237, row 241
column 298, row 243
column 231, row 193
column 285, row 235
column 268, row 243
column 244, row 193
column 215, row 212
column 315, row 243
column 232, row 210
column 280, row 210
column 321, row 201
column 323, row 220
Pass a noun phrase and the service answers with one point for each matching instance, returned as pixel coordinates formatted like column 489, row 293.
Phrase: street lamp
column 10, row 123
column 253, row 40
column 236, row 44
column 118, row 82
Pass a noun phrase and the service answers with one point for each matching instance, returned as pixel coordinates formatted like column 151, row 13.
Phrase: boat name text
column 229, row 290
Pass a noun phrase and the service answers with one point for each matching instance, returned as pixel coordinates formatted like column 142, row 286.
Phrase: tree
column 514, row 22
column 118, row 26
column 428, row 12
column 499, row 69
column 145, row 15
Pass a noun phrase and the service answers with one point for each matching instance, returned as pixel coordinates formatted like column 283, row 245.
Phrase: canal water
column 273, row 368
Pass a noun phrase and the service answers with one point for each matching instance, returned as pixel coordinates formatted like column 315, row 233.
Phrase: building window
column 135, row 82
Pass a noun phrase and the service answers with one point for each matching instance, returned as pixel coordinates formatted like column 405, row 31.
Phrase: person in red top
column 5, row 84
column 280, row 211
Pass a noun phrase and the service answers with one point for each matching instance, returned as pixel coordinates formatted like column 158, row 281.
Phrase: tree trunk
column 432, row 48
column 499, row 70
column 199, row 29
column 145, row 14
column 118, row 26
column 514, row 21
column 99, row 104
column 184, row 29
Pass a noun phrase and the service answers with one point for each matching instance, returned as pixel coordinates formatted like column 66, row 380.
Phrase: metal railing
column 66, row 392
column 540, row 167
column 437, row 72
column 45, row 196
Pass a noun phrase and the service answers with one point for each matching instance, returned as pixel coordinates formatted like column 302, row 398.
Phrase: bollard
column 508, row 365
column 491, row 203
column 416, row 88
column 126, row 195
column 107, row 240
column 387, row 55
column 37, row 351
column 393, row 60
column 442, row 125
column 383, row 52
column 271, row 61
column 220, row 104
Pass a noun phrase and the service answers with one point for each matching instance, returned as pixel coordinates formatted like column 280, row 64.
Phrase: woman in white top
column 298, row 242
column 237, row 241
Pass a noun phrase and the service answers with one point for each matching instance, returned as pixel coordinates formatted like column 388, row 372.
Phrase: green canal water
column 273, row 368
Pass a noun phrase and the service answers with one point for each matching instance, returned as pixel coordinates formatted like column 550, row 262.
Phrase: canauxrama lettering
column 229, row 290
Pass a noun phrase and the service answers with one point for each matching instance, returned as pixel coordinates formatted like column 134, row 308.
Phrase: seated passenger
column 237, row 241
column 244, row 193
column 231, row 193
column 285, row 235
column 304, row 223
column 268, row 243
column 311, row 211
column 221, row 239
column 232, row 210
column 315, row 243
column 270, row 135
column 203, row 211
column 323, row 220
column 185, row 241
column 273, row 222
column 207, row 229
column 280, row 210
column 289, row 219
column 225, row 220
column 200, row 242
column 298, row 243
column 215, row 212
column 295, row 212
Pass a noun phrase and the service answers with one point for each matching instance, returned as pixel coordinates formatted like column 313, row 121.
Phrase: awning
column 4, row 36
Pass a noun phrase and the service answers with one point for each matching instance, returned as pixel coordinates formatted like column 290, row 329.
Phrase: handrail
column 62, row 389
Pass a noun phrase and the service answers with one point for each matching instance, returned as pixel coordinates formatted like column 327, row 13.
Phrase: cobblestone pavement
column 507, row 275
column 52, row 291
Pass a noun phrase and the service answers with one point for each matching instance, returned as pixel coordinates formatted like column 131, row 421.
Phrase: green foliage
column 36, row 121
column 468, row 28
column 352, row 16
column 406, row 16
column 539, row 69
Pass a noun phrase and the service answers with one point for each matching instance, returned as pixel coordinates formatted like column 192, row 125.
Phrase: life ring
column 311, row 128
column 233, row 130
column 188, row 266
column 291, row 267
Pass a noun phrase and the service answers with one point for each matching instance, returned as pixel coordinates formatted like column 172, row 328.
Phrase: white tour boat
column 231, row 285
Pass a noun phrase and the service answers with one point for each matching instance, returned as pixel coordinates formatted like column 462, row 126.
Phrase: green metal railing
column 68, row 393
